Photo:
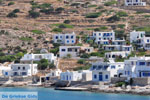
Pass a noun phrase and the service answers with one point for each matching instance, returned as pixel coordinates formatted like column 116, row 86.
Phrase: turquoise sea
column 50, row 94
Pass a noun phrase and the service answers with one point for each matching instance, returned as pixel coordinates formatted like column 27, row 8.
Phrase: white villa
column 37, row 57
column 73, row 51
column 109, row 43
column 140, row 39
column 113, row 55
column 54, row 73
column 21, row 70
column 103, row 71
column 103, row 37
column 136, row 36
column 118, row 47
column 67, row 39
column 136, row 67
column 134, row 3
column 64, row 51
column 71, row 76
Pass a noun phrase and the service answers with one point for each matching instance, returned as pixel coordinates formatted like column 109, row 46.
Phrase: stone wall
column 118, row 79
column 141, row 81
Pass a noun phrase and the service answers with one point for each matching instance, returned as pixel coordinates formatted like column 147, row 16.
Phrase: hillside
column 34, row 31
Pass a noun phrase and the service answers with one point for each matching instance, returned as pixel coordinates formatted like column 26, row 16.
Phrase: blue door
column 6, row 73
column 100, row 77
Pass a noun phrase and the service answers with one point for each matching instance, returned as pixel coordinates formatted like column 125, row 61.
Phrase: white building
column 140, row 39
column 73, row 51
column 71, row 76
column 146, row 43
column 22, row 70
column 136, row 67
column 113, row 55
column 64, row 51
column 37, row 57
column 118, row 47
column 5, row 70
column 103, row 71
column 54, row 73
column 134, row 3
column 67, row 39
column 136, row 36
column 102, row 37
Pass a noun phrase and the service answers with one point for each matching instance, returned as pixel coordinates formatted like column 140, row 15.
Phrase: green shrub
column 93, row 15
column 109, row 3
column 33, row 14
column 122, row 14
column 11, row 3
column 85, row 55
column 26, row 38
column 67, row 21
column 38, row 31
column 16, row 10
column 47, row 11
column 90, row 6
column 75, row 4
column 57, row 30
column 55, row 50
column 12, row 15
column 59, row 10
column 120, row 84
column 121, row 26
column 113, row 18
column 81, row 61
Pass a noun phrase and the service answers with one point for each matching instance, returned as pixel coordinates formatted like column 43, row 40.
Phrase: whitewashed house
column 27, row 58
column 109, row 43
column 54, row 73
column 103, row 71
column 134, row 3
column 136, row 36
column 67, row 39
column 103, row 37
column 113, row 55
column 139, row 38
column 73, row 51
column 146, row 43
column 118, row 47
column 71, row 76
column 23, row 69
column 5, row 70
column 136, row 67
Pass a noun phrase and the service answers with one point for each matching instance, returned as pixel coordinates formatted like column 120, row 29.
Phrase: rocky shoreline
column 134, row 90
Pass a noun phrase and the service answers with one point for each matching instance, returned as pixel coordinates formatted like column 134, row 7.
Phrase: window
column 72, row 37
column 106, row 76
column 95, row 76
column 18, row 67
column 113, row 67
column 148, row 40
column 69, row 49
column 23, row 68
column 72, row 41
column 24, row 73
column 56, row 37
column 146, row 74
column 94, row 66
column 67, row 37
column 60, row 36
column 63, row 49
column 67, row 41
column 99, row 34
column 141, row 63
